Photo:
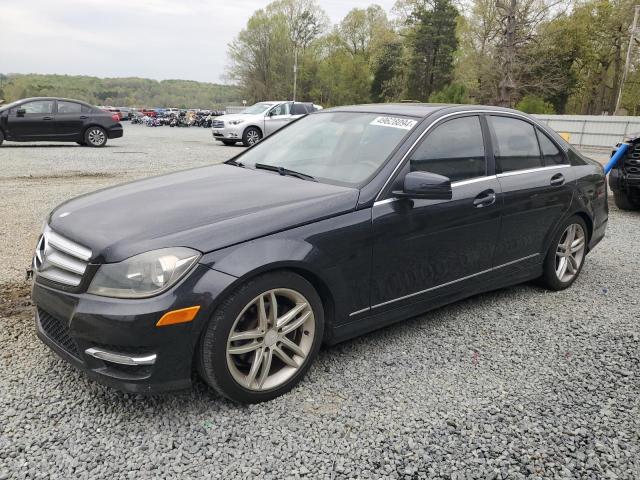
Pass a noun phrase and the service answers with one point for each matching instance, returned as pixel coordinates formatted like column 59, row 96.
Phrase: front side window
column 69, row 107
column 344, row 148
column 552, row 154
column 282, row 109
column 37, row 107
column 454, row 149
column 515, row 145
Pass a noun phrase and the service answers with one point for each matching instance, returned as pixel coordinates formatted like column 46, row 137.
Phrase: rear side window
column 516, row 145
column 551, row 154
column 69, row 107
column 454, row 149
column 88, row 109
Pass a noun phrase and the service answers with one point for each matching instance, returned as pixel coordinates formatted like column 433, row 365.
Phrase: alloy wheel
column 270, row 339
column 570, row 252
column 253, row 137
column 96, row 136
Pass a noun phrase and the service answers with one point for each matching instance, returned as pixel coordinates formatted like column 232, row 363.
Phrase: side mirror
column 21, row 112
column 426, row 185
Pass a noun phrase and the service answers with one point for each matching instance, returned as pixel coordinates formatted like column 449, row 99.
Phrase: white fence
column 592, row 130
column 234, row 109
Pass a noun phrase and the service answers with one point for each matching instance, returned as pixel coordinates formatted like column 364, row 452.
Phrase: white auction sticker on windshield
column 394, row 122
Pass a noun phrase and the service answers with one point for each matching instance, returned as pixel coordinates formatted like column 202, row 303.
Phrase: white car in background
column 258, row 121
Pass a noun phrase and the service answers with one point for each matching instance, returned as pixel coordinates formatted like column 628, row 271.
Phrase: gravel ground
column 519, row 383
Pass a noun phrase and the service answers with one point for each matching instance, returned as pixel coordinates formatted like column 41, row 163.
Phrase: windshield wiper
column 285, row 171
column 235, row 163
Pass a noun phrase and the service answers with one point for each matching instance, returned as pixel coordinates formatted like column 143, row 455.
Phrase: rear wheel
column 625, row 202
column 95, row 137
column 263, row 338
column 228, row 143
column 251, row 136
column 565, row 257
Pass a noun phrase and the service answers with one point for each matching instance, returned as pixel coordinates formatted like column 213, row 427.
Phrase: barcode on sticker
column 395, row 122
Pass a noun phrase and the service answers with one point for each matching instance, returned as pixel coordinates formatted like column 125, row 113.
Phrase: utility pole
column 632, row 36
column 295, row 71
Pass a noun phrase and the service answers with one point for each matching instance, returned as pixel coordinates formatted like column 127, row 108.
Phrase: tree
column 387, row 83
column 432, row 43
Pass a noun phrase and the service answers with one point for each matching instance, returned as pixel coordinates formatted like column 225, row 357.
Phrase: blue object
column 622, row 150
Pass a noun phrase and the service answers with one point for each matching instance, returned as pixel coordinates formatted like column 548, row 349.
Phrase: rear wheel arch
column 588, row 222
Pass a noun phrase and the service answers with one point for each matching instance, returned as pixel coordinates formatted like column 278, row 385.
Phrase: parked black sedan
column 58, row 120
column 345, row 221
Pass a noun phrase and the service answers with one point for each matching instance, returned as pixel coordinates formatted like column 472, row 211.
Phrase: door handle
column 83, row 117
column 47, row 118
column 485, row 199
column 557, row 179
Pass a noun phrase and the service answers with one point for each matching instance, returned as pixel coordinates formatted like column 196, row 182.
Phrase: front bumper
column 116, row 342
column 228, row 132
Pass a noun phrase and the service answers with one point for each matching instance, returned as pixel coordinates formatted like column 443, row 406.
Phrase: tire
column 624, row 201
column 251, row 136
column 229, row 371
column 553, row 276
column 228, row 143
column 95, row 137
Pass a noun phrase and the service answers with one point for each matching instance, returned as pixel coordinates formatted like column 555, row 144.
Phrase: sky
column 160, row 39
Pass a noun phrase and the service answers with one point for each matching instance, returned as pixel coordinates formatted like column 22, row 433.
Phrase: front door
column 69, row 119
column 32, row 121
column 277, row 118
column 427, row 248
column 536, row 184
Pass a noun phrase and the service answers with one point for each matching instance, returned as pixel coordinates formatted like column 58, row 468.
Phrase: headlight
column 143, row 275
column 235, row 122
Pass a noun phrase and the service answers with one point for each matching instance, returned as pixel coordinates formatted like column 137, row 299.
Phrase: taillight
column 115, row 117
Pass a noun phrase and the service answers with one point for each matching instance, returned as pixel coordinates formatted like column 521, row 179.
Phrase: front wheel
column 565, row 257
column 263, row 338
column 624, row 201
column 95, row 137
column 251, row 136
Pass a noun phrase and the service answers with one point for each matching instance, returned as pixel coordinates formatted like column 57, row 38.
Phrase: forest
column 132, row 92
column 540, row 56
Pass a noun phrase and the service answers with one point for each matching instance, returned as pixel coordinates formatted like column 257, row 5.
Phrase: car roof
column 414, row 109
column 30, row 99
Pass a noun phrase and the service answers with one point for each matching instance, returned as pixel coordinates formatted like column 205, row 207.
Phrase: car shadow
column 200, row 394
column 49, row 146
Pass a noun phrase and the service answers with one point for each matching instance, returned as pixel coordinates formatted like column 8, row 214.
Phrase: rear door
column 537, row 189
column 69, row 119
column 32, row 120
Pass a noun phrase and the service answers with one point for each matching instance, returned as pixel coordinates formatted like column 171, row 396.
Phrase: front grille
column 59, row 259
column 58, row 331
column 217, row 124
column 632, row 160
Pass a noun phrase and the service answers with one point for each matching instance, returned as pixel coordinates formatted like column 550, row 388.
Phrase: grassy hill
column 133, row 91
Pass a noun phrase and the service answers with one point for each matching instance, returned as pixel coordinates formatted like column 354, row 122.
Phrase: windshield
column 341, row 147
column 257, row 108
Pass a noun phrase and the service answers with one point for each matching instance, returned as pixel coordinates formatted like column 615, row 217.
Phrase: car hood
column 205, row 208
column 238, row 116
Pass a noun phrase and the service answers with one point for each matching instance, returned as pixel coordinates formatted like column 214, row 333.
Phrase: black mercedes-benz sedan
column 57, row 120
column 345, row 221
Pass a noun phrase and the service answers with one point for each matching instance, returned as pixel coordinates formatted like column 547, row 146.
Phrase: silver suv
column 258, row 121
